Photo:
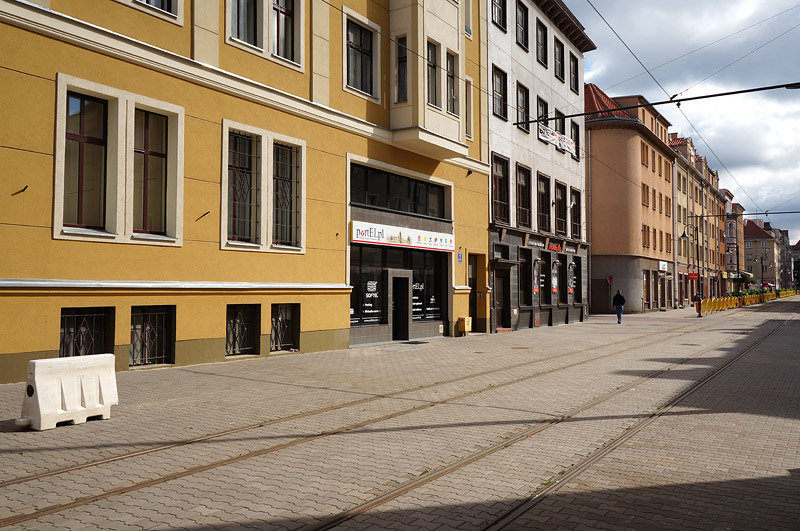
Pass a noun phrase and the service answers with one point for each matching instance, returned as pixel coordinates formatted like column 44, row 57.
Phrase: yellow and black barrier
column 726, row 303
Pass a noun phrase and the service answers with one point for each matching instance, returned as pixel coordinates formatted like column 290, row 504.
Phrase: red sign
column 692, row 276
column 554, row 247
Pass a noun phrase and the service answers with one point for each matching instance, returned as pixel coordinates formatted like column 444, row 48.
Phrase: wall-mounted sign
column 536, row 243
column 460, row 257
column 692, row 276
column 663, row 266
column 557, row 139
column 610, row 279
column 569, row 249
column 554, row 247
column 377, row 234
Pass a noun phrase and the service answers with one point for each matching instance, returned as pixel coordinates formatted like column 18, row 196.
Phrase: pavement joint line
column 361, row 401
column 581, row 467
column 209, row 466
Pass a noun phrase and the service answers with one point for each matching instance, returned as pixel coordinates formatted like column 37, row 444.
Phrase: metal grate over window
column 86, row 331
column 152, row 335
column 285, row 327
column 286, row 196
column 242, row 330
column 243, row 187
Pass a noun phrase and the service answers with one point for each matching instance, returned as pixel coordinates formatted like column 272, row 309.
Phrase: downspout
column 674, row 235
column 588, row 164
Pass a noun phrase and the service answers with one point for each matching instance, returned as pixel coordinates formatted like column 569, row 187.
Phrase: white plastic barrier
column 68, row 389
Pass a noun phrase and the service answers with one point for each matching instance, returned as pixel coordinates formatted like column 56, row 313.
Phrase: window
column 654, row 199
column 283, row 22
column 359, row 57
column 764, row 245
column 653, row 159
column 645, row 153
column 499, row 13
column 645, row 194
column 245, row 24
column 573, row 73
column 523, row 108
column 85, row 162
column 499, row 106
column 660, row 202
column 110, row 185
column 522, row 25
column 244, row 176
column 659, row 165
column 575, row 133
column 575, row 213
column 543, row 205
column 168, row 10
column 500, row 190
column 286, row 195
column 541, row 111
column 452, row 86
column 149, row 172
column 561, row 209
column 523, row 196
column 559, row 122
column 468, row 108
column 661, row 240
column 242, row 329
column 433, row 74
column 541, row 42
column 668, row 208
column 402, row 70
column 467, row 4
column 558, row 58
column 285, row 327
column 163, row 5
column 525, row 277
column 152, row 335
column 378, row 188
column 645, row 236
column 86, row 331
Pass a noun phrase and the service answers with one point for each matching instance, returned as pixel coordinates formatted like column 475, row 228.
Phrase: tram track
column 423, row 404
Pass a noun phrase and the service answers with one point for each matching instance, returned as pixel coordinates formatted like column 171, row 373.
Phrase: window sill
column 77, row 231
column 437, row 107
column 454, row 115
column 160, row 11
column 243, row 245
column 153, row 237
column 286, row 248
column 290, row 63
column 360, row 93
column 246, row 45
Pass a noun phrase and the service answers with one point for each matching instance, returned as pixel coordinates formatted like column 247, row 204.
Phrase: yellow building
column 189, row 181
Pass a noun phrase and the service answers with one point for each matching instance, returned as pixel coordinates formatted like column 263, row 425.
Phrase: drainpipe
column 588, row 186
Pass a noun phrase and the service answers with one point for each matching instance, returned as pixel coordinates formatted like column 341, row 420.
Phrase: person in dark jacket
column 618, row 302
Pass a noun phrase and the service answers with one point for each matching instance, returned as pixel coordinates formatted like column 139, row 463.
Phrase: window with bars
column 359, row 57
column 85, row 161
column 543, row 203
column 541, row 42
column 500, row 189
column 523, row 196
column 285, row 333
column 561, row 209
column 86, row 331
column 402, row 69
column 499, row 102
column 575, row 213
column 152, row 335
column 242, row 329
column 244, row 187
column 573, row 73
column 150, row 172
column 558, row 58
column 283, row 20
column 286, row 195
column 452, row 86
column 523, row 108
column 522, row 25
column 433, row 74
column 245, row 24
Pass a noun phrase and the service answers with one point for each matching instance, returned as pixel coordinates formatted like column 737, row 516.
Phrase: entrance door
column 400, row 308
column 472, row 278
column 501, row 299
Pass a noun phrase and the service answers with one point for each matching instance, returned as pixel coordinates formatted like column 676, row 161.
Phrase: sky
column 753, row 140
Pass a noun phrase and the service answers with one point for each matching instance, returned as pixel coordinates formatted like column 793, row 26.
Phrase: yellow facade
column 134, row 59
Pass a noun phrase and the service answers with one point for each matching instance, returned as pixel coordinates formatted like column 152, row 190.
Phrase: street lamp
column 685, row 235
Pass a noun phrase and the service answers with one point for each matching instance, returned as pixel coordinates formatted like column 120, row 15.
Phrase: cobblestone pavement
column 310, row 436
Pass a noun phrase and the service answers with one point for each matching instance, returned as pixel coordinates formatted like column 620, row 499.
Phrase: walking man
column 618, row 302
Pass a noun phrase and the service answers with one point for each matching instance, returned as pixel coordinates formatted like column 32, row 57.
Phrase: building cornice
column 46, row 283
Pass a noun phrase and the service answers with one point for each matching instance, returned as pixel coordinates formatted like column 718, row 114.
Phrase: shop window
column 546, row 279
column 242, row 329
column 86, row 331
column 152, row 335
column 285, row 333
column 563, row 287
column 578, row 280
column 525, row 277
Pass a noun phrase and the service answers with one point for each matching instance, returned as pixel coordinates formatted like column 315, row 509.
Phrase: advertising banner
column 377, row 234
column 557, row 139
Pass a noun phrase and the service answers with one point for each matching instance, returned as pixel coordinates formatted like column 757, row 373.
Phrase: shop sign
column 554, row 247
column 569, row 249
column 692, row 276
column 377, row 234
column 663, row 266
column 536, row 243
column 552, row 136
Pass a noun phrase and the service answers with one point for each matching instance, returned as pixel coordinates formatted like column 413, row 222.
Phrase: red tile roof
column 753, row 232
column 597, row 100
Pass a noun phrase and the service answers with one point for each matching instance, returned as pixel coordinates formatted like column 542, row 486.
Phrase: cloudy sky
column 752, row 139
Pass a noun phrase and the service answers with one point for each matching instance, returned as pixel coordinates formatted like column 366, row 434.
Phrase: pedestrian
column 618, row 302
column 697, row 300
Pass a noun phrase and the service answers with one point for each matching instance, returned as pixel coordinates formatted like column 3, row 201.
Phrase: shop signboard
column 663, row 266
column 377, row 234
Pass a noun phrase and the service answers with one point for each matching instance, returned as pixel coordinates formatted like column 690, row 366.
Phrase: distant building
column 761, row 253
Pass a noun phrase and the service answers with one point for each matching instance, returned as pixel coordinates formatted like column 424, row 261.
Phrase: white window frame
column 118, row 223
column 266, row 24
column 349, row 14
column 267, row 141
column 176, row 18
column 468, row 108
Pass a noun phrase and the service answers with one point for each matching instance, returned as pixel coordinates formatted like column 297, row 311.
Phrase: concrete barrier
column 68, row 389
